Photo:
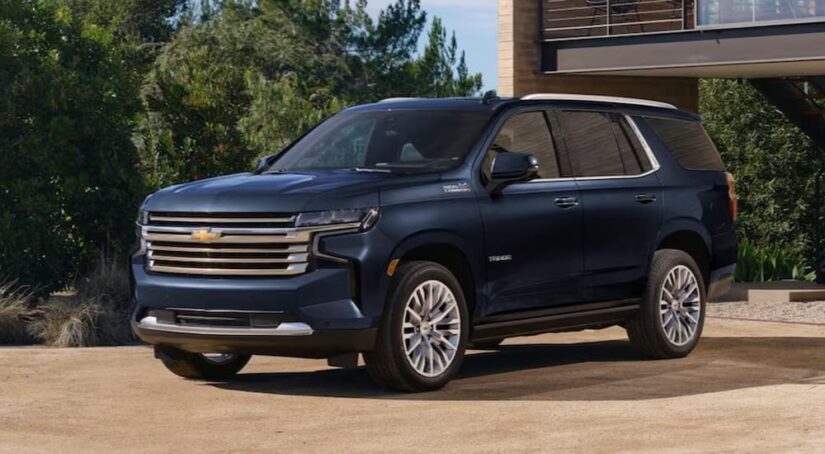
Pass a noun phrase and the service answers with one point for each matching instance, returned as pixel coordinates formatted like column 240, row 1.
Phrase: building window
column 729, row 12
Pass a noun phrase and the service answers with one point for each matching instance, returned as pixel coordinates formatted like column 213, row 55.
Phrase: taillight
column 732, row 195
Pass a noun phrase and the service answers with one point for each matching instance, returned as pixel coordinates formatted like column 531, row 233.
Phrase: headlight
column 142, row 217
column 366, row 217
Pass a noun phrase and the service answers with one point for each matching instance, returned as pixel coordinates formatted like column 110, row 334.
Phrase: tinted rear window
column 689, row 143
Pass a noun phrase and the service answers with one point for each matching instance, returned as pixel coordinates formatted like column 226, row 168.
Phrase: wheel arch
column 691, row 238
column 446, row 249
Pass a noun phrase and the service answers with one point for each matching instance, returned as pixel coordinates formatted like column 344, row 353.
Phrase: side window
column 526, row 133
column 600, row 144
column 634, row 157
column 689, row 143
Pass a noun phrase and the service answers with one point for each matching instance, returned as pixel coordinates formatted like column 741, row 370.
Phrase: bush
column 780, row 173
column 96, row 315
column 68, row 180
column 763, row 263
column 15, row 313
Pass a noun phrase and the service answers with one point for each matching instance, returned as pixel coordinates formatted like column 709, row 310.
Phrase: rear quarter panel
column 694, row 200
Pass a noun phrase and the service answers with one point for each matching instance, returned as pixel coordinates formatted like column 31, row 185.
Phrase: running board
column 554, row 323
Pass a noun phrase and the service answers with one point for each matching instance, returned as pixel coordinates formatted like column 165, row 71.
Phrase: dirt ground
column 750, row 386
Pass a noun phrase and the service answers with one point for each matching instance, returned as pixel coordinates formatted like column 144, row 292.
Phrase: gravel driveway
column 749, row 387
column 809, row 312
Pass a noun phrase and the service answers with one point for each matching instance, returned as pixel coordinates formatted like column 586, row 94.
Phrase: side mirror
column 509, row 168
column 263, row 163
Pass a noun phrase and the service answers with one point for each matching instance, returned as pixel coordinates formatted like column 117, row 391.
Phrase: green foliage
column 771, row 263
column 102, row 101
column 68, row 97
column 779, row 173
column 252, row 76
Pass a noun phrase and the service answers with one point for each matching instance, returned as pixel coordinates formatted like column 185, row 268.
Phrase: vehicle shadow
column 609, row 370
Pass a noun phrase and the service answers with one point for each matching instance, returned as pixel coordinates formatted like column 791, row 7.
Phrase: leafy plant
column 780, row 173
column 762, row 263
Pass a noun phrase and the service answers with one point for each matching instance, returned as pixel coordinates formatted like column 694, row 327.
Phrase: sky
column 474, row 23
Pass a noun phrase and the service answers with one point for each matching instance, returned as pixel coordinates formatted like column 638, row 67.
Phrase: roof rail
column 596, row 98
column 400, row 98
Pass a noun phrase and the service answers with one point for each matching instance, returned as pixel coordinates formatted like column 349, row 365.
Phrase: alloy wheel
column 431, row 328
column 680, row 305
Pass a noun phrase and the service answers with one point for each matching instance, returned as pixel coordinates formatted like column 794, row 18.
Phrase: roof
column 633, row 106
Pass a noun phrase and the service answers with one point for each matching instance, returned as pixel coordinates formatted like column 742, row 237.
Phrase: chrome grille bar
column 284, row 250
column 288, row 271
column 295, row 258
column 213, row 220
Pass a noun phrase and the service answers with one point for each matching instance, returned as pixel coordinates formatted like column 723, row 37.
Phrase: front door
column 533, row 229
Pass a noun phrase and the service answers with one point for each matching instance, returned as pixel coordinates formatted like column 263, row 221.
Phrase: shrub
column 68, row 185
column 780, row 173
column 96, row 315
column 15, row 313
column 762, row 263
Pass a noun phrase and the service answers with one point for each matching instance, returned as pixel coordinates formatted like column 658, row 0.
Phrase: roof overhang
column 747, row 52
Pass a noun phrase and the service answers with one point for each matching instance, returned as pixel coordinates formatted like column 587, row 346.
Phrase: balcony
column 592, row 18
column 684, row 38
column 564, row 19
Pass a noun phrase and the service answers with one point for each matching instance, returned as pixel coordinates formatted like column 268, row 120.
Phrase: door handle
column 567, row 202
column 644, row 199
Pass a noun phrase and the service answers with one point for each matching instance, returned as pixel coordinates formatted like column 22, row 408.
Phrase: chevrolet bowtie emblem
column 205, row 236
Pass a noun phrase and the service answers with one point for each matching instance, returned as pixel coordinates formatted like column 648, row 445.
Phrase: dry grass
column 95, row 314
column 15, row 313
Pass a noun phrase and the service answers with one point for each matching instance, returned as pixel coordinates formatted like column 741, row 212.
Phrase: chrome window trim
column 654, row 163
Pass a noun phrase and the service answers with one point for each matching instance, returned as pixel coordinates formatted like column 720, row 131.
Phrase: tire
column 647, row 331
column 389, row 365
column 485, row 344
column 197, row 366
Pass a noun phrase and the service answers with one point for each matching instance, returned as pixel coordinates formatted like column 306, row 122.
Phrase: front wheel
column 424, row 330
column 672, row 313
column 201, row 366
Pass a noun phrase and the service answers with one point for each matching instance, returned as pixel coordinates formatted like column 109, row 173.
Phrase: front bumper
column 295, row 339
column 320, row 317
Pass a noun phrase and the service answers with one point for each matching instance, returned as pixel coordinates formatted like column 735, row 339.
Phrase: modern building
column 659, row 49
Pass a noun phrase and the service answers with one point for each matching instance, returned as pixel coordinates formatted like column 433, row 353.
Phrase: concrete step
column 775, row 292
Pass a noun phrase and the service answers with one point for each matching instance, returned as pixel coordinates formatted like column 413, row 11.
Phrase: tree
column 67, row 164
column 252, row 76
column 778, row 170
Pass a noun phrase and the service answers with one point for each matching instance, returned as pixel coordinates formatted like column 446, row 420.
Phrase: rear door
column 621, row 199
column 532, row 230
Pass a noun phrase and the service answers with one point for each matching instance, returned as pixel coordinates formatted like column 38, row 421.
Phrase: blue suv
column 410, row 230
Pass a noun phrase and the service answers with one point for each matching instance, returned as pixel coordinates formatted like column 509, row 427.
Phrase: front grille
column 225, row 244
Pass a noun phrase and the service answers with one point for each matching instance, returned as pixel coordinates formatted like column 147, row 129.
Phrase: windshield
column 402, row 141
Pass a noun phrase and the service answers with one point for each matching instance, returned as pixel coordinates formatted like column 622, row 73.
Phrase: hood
column 280, row 192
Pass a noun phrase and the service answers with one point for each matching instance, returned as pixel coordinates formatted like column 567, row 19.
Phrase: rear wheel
column 201, row 366
column 423, row 334
column 672, row 315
